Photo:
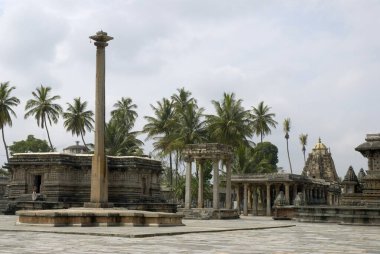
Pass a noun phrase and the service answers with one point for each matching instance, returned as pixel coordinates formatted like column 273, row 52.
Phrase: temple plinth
column 99, row 172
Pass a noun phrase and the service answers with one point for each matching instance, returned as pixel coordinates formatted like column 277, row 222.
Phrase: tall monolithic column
column 99, row 174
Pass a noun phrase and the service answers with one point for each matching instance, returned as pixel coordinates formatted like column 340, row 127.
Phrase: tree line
column 175, row 122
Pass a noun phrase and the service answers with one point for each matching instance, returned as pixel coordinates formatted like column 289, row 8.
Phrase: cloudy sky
column 317, row 62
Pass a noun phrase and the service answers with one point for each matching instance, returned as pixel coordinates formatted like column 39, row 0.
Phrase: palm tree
column 231, row 124
column 303, row 141
column 191, row 127
column 125, row 113
column 120, row 142
column 43, row 109
column 6, row 103
column 78, row 119
column 262, row 120
column 182, row 99
column 161, row 125
column 286, row 127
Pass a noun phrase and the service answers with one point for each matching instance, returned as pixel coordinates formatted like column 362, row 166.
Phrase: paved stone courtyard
column 257, row 235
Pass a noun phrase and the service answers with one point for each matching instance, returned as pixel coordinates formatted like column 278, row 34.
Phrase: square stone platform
column 87, row 217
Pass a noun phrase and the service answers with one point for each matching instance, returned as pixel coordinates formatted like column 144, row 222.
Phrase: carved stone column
column 215, row 201
column 188, row 184
column 228, row 185
column 200, row 184
column 287, row 193
column 245, row 208
column 254, row 207
column 268, row 200
column 238, row 198
column 99, row 172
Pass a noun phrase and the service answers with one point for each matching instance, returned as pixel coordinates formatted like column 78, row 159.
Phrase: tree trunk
column 261, row 137
column 47, row 131
column 171, row 170
column 5, row 144
column 304, row 151
column 84, row 143
column 287, row 149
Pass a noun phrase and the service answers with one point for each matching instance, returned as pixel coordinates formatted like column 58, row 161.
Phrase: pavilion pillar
column 245, row 208
column 215, row 201
column 228, row 185
column 249, row 197
column 254, row 207
column 287, row 193
column 268, row 200
column 188, row 184
column 200, row 184
column 238, row 199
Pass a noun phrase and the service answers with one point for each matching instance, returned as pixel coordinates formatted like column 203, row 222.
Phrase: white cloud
column 316, row 62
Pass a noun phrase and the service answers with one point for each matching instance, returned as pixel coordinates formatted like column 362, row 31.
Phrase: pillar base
column 97, row 205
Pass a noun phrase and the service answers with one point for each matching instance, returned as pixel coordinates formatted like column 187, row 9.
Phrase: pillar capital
column 101, row 37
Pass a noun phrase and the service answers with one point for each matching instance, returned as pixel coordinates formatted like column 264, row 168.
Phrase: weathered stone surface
column 98, row 217
column 320, row 165
column 66, row 178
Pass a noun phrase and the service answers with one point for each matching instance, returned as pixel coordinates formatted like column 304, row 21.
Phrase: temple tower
column 320, row 164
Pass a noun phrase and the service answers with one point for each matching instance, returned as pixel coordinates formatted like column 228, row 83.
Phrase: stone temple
column 360, row 197
column 64, row 180
column 320, row 164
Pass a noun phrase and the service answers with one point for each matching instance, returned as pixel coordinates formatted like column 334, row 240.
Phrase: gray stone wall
column 66, row 178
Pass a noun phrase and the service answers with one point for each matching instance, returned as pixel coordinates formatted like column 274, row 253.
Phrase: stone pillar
column 228, row 185
column 99, row 172
column 245, row 208
column 238, row 199
column 215, row 201
column 268, row 200
column 287, row 193
column 200, row 184
column 294, row 193
column 254, row 207
column 249, row 197
column 188, row 184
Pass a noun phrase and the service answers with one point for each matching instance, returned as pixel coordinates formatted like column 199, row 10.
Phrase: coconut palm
column 161, row 125
column 121, row 142
column 43, row 108
column 78, row 119
column 182, row 99
column 231, row 124
column 6, row 103
column 303, row 141
column 125, row 113
column 262, row 120
column 286, row 127
column 191, row 127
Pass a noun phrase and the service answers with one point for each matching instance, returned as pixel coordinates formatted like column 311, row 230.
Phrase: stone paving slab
column 301, row 238
column 8, row 223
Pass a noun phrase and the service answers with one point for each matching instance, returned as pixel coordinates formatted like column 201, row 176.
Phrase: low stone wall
column 339, row 214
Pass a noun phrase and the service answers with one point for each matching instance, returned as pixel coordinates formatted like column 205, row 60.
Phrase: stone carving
column 280, row 199
column 320, row 164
